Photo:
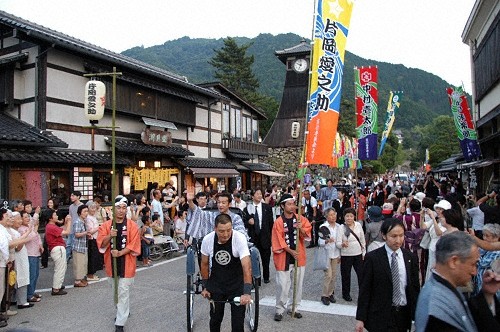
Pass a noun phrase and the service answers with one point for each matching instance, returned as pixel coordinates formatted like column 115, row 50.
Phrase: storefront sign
column 472, row 179
column 156, row 137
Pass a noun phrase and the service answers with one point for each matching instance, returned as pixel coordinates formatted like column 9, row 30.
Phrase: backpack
column 414, row 237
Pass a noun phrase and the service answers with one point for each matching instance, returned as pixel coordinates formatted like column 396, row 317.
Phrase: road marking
column 44, row 290
column 316, row 306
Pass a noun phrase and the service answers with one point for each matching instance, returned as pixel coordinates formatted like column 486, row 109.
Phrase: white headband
column 119, row 200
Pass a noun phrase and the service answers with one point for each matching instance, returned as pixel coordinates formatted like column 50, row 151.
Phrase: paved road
column 158, row 304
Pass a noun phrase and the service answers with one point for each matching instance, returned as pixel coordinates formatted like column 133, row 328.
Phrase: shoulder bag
column 320, row 259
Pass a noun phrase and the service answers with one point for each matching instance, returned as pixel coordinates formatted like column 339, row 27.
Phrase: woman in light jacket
column 333, row 254
column 430, row 220
column 351, row 242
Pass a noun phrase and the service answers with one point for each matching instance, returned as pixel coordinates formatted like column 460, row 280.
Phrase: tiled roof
column 303, row 47
column 58, row 39
column 241, row 156
column 206, row 163
column 233, row 94
column 21, row 57
column 136, row 146
column 257, row 166
column 60, row 156
column 14, row 132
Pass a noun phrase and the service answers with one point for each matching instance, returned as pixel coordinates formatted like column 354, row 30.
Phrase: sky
column 424, row 34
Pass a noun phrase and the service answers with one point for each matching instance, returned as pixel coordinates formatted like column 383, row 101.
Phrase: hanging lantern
column 95, row 100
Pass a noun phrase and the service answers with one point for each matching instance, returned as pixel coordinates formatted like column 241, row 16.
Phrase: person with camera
column 431, row 187
column 491, row 212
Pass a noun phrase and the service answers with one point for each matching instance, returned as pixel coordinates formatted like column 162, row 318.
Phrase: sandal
column 34, row 299
column 38, row 296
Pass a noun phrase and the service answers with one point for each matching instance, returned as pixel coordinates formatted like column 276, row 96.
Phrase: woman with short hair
column 491, row 233
column 351, row 242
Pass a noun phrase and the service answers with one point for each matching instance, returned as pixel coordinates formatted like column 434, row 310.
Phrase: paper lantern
column 95, row 100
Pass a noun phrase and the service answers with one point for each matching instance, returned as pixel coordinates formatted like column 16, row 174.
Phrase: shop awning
column 136, row 146
column 480, row 163
column 206, row 163
column 159, row 123
column 200, row 172
column 242, row 156
column 270, row 173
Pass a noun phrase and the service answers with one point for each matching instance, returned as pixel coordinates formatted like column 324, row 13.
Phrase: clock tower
column 288, row 128
column 285, row 138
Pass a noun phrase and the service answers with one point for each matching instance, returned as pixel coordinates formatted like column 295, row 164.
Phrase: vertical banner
column 463, row 121
column 392, row 107
column 365, row 83
column 331, row 26
column 426, row 163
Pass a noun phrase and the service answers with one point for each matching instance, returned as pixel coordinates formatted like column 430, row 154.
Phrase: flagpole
column 303, row 165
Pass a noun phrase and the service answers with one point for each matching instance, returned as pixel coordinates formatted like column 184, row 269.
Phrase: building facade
column 482, row 34
column 167, row 129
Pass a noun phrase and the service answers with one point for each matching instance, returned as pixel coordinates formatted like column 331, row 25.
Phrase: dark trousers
column 346, row 264
column 402, row 319
column 315, row 231
column 95, row 258
column 45, row 254
column 217, row 314
column 265, row 256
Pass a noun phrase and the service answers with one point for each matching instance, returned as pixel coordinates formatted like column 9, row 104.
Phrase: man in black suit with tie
column 258, row 218
column 389, row 284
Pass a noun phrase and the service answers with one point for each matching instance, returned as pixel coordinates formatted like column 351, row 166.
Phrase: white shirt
column 333, row 251
column 5, row 238
column 402, row 272
column 156, row 207
column 433, row 234
column 313, row 201
column 241, row 205
column 477, row 218
column 253, row 208
column 180, row 225
column 239, row 245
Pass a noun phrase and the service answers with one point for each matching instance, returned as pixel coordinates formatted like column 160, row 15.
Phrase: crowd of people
column 390, row 231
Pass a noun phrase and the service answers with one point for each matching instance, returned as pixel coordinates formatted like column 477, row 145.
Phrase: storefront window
column 38, row 186
column 255, row 130
column 225, row 121
column 259, row 181
column 102, row 185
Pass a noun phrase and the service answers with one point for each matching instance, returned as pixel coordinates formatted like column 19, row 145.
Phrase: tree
column 234, row 68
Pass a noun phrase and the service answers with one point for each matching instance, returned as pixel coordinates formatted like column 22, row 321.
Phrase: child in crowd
column 180, row 226
column 146, row 240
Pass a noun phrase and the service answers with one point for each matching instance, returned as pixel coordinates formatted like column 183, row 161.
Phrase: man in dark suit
column 389, row 284
column 258, row 219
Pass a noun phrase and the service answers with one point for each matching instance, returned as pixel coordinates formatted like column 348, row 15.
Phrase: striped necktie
column 396, row 291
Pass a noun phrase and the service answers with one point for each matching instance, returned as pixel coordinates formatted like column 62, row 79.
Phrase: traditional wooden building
column 482, row 34
column 167, row 128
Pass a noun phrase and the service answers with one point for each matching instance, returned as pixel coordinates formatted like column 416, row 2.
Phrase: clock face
column 300, row 65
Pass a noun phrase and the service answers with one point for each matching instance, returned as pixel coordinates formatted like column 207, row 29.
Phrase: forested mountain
column 424, row 93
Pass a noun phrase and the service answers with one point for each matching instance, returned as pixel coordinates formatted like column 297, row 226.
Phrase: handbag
column 12, row 278
column 426, row 241
column 320, row 259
